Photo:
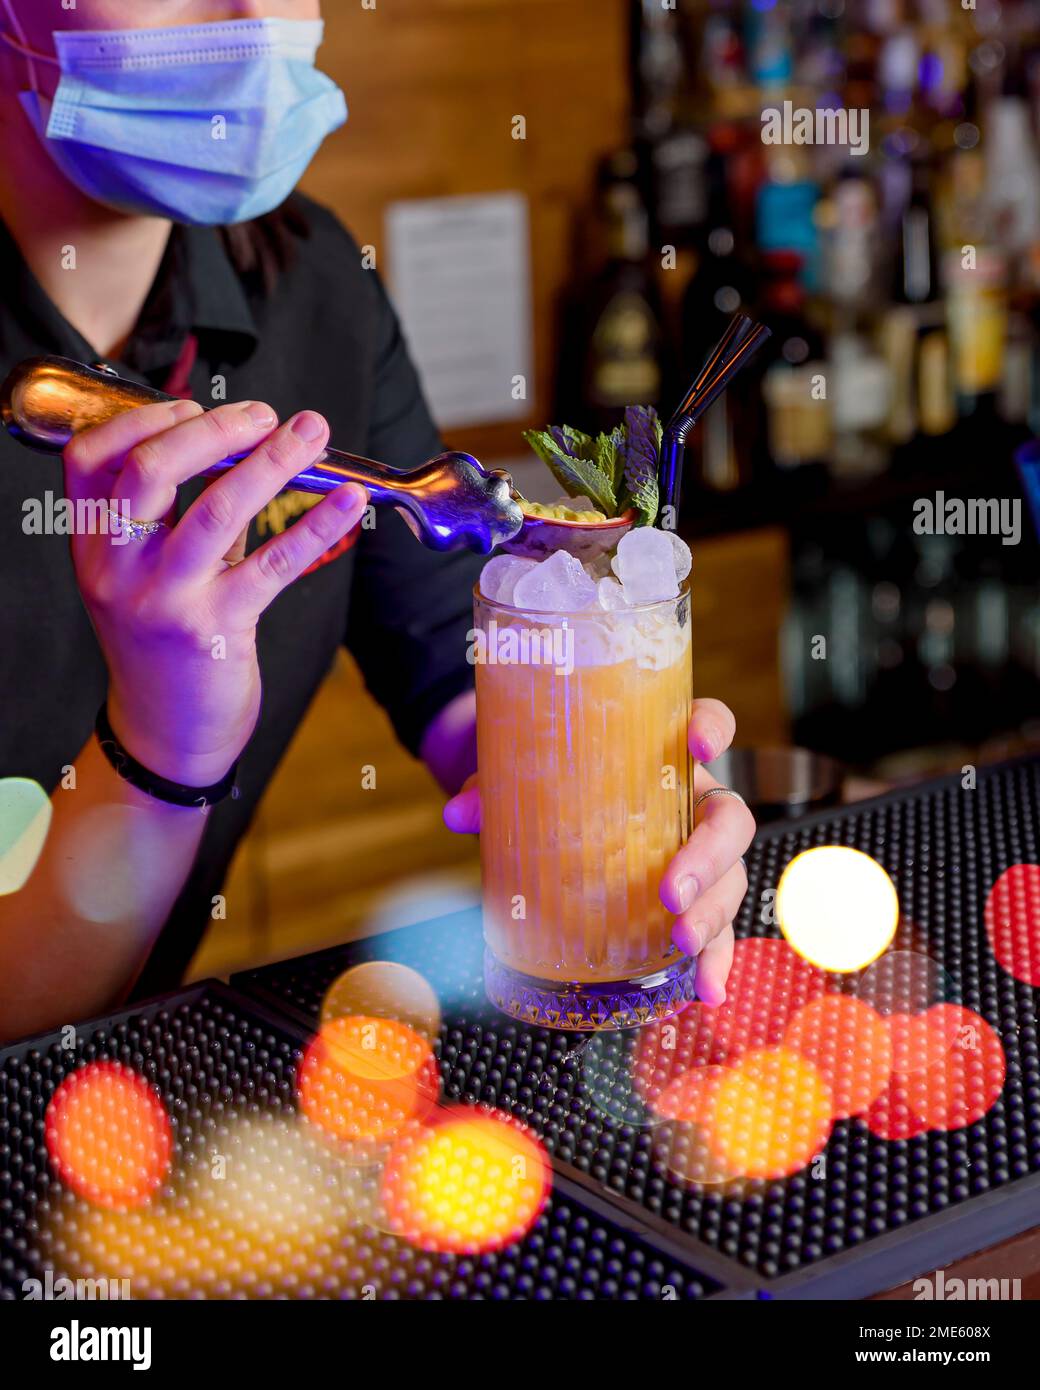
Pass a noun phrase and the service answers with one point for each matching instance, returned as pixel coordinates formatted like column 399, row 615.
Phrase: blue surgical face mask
column 209, row 124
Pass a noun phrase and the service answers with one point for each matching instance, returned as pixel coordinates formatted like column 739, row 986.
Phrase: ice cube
column 498, row 577
column 581, row 503
column 681, row 555
column 598, row 566
column 556, row 585
column 610, row 595
column 645, row 564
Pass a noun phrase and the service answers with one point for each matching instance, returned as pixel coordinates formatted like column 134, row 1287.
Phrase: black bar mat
column 883, row 1209
column 225, row 1071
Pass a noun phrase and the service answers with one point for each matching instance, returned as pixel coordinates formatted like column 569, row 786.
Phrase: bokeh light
column 618, row 1072
column 1012, row 918
column 771, row 1115
column 890, row 1117
column 475, row 1181
column 961, row 1083
column 690, row 1098
column 265, row 1179
column 921, row 1040
column 837, row 907
column 385, row 989
column 767, row 984
column 105, row 855
column 967, row 1080
column 25, row 819
column 108, row 1136
column 682, row 1143
column 362, row 1080
column 850, row 1046
column 902, row 987
column 258, row 1212
column 905, row 982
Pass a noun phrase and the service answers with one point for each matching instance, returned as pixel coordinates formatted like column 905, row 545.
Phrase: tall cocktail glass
column 586, row 791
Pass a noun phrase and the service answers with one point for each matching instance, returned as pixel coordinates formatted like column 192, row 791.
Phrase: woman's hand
column 176, row 612
column 705, row 883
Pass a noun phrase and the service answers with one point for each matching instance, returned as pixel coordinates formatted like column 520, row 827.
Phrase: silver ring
column 719, row 791
column 134, row 530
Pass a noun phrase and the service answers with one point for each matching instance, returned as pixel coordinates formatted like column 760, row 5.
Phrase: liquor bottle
column 613, row 343
column 721, row 66
column 859, row 383
column 850, row 251
column 976, row 308
column 721, row 287
column 792, row 370
column 915, row 307
column 916, row 273
column 767, row 39
column 786, row 208
column 671, row 149
column 936, row 408
column 1012, row 169
column 658, row 66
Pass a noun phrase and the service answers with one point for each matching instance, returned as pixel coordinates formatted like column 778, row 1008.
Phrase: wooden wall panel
column 433, row 86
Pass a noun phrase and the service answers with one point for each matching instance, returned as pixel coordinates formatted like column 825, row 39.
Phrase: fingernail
column 259, row 413
column 308, row 426
column 687, row 889
column 348, row 496
column 706, row 748
column 688, row 939
column 185, row 410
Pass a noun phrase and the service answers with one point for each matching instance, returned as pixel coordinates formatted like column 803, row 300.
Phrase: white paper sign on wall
column 461, row 281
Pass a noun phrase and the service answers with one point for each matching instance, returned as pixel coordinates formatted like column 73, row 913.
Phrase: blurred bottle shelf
column 864, row 177
column 889, row 234
column 960, row 465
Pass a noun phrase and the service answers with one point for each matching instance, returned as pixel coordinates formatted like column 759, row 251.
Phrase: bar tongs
column 450, row 502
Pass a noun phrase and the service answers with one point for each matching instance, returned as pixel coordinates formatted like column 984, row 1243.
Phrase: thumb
column 462, row 812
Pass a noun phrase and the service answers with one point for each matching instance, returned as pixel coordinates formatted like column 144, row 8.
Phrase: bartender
column 149, row 156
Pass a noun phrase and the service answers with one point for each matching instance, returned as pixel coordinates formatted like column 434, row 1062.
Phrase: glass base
column 583, row 1007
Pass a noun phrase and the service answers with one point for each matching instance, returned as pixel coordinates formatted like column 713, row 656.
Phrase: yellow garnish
column 559, row 511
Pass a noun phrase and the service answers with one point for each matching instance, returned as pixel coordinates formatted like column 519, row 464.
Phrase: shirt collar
column 219, row 300
column 196, row 290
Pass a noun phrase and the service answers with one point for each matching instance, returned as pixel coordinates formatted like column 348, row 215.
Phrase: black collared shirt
column 325, row 337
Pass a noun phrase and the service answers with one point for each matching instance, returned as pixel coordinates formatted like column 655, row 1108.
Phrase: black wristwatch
column 161, row 788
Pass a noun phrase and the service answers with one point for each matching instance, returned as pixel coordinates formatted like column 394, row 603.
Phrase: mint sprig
column 642, row 449
column 579, row 463
column 615, row 471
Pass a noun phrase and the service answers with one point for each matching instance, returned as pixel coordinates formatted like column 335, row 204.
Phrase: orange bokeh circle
column 850, row 1045
column 771, row 1115
column 361, row 1080
column 108, row 1136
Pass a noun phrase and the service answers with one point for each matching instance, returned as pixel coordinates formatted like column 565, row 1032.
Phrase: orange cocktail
column 585, row 781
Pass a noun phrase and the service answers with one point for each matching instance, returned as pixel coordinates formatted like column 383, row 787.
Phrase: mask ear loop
column 20, row 45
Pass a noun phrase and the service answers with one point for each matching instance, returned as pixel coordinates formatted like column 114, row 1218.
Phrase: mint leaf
column 639, row 461
column 618, row 436
column 577, row 473
column 608, row 451
column 575, row 443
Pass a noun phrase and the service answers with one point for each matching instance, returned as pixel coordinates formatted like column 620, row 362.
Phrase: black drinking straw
column 741, row 340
